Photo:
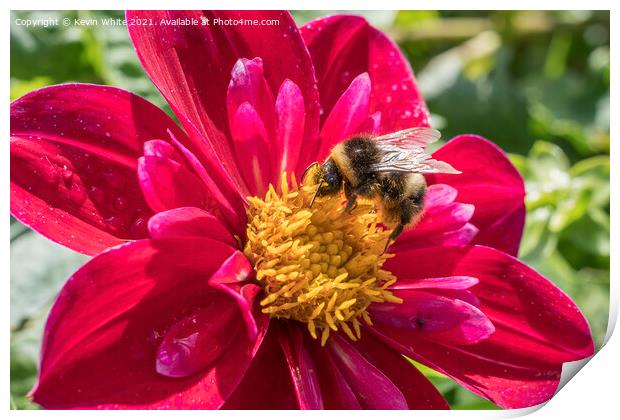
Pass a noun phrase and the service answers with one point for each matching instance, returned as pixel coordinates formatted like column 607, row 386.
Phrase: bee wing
column 410, row 137
column 403, row 151
column 412, row 161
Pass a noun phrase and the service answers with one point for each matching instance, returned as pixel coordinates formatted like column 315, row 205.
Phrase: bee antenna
column 318, row 187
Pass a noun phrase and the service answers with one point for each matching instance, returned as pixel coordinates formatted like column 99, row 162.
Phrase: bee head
column 330, row 175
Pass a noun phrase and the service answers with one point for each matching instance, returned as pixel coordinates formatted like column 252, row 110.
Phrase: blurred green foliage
column 536, row 83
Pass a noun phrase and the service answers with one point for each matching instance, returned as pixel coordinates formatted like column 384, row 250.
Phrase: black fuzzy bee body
column 400, row 195
column 388, row 169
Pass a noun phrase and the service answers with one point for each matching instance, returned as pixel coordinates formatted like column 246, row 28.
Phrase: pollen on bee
column 321, row 265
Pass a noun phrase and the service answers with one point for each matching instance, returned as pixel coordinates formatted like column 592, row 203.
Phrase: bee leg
column 351, row 197
column 347, row 189
column 351, row 203
column 395, row 234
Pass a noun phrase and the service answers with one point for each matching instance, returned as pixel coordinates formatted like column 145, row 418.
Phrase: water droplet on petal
column 138, row 227
column 77, row 194
column 120, row 203
column 67, row 174
column 96, row 195
column 114, row 223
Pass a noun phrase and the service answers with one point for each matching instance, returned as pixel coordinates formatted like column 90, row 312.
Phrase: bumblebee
column 387, row 169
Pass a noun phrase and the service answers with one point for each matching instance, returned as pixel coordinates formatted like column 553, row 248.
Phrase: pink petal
column 446, row 218
column 537, row 327
column 233, row 274
column 460, row 236
column 344, row 46
column 302, row 368
column 228, row 203
column 74, row 151
column 335, row 391
column 347, row 116
column 161, row 149
column 509, row 385
column 167, row 184
column 419, row 391
column 465, row 295
column 439, row 196
column 373, row 389
column 492, row 184
column 248, row 84
column 267, row 383
column 372, row 125
column 436, row 317
column 510, row 293
column 196, row 341
column 290, row 112
column 217, row 202
column 189, row 221
column 232, row 279
column 191, row 65
column 443, row 222
column 254, row 150
column 441, row 211
column 104, row 329
column 217, row 162
column 450, row 283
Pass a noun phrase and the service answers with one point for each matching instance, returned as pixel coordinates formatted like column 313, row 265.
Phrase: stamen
column 318, row 265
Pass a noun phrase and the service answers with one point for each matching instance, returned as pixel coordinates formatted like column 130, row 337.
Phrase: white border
column 317, row 5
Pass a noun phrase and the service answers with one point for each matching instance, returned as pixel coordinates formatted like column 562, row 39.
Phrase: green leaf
column 555, row 268
column 491, row 106
column 22, row 87
column 458, row 397
column 39, row 268
column 408, row 18
column 25, row 347
column 538, row 240
column 555, row 64
column 590, row 237
column 571, row 208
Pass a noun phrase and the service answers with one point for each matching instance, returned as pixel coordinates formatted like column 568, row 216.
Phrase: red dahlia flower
column 211, row 289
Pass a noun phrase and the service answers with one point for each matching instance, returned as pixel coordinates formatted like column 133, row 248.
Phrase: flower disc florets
column 320, row 265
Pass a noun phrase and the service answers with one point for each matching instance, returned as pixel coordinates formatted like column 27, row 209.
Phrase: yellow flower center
column 320, row 265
